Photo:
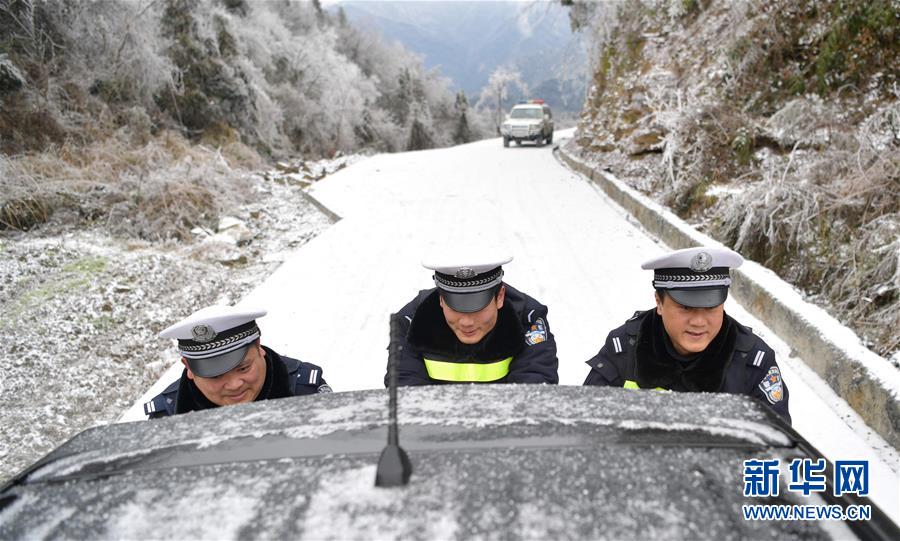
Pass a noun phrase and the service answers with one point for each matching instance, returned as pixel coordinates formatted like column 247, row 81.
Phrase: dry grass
column 159, row 190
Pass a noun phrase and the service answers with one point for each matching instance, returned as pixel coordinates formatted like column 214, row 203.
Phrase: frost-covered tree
column 281, row 76
column 117, row 51
column 496, row 92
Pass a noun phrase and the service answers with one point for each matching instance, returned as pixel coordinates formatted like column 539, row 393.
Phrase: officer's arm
column 537, row 362
column 603, row 370
column 769, row 387
column 410, row 366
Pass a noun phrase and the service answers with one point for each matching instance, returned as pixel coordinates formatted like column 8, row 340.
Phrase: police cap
column 466, row 283
column 696, row 277
column 215, row 339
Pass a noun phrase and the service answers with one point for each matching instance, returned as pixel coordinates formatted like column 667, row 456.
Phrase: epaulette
column 745, row 340
column 633, row 325
column 755, row 358
column 158, row 403
column 309, row 374
column 751, row 347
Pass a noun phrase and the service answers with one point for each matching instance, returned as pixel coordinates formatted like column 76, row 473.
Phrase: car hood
column 517, row 461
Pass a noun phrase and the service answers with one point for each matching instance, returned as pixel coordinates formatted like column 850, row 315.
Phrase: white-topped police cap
column 466, row 282
column 213, row 340
column 696, row 277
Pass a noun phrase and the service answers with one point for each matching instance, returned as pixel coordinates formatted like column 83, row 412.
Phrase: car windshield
column 523, row 112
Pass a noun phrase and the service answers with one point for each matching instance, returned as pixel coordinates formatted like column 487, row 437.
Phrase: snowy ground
column 574, row 250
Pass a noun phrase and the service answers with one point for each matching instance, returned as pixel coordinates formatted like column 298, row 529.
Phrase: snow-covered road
column 574, row 250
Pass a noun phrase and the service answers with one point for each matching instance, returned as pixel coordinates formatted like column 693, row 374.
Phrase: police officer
column 689, row 343
column 225, row 364
column 474, row 328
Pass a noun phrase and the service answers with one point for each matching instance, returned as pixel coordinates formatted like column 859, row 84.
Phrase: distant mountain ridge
column 466, row 41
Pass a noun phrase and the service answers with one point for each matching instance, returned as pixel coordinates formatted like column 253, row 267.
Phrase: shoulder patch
column 772, row 386
column 537, row 333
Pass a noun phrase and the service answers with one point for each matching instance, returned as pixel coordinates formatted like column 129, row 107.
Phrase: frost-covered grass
column 155, row 191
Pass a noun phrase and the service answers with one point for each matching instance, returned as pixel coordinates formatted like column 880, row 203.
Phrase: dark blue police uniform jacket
column 520, row 348
column 635, row 356
column 301, row 379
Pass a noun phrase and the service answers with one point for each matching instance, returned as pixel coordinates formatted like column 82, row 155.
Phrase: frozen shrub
column 801, row 120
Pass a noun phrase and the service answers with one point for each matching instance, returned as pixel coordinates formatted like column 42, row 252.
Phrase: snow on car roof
column 511, row 460
column 722, row 415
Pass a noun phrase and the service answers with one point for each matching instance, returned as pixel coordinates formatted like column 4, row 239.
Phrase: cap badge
column 203, row 333
column 701, row 262
column 465, row 273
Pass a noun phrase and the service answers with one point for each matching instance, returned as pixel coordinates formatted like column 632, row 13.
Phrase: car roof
column 489, row 461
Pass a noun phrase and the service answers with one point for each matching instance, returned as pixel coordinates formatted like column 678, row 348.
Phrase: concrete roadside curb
column 322, row 208
column 869, row 384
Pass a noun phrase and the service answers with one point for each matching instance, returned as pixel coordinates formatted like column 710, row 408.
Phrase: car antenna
column 394, row 467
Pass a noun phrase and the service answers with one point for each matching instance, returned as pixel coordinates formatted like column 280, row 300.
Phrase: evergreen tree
column 461, row 133
column 320, row 14
column 420, row 137
column 213, row 92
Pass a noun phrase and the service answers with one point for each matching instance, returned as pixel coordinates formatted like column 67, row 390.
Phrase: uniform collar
column 429, row 331
column 655, row 367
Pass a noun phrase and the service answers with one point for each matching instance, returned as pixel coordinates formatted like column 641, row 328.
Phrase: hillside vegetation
column 772, row 125
column 104, row 103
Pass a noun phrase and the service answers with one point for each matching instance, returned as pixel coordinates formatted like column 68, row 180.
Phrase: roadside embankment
column 868, row 382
